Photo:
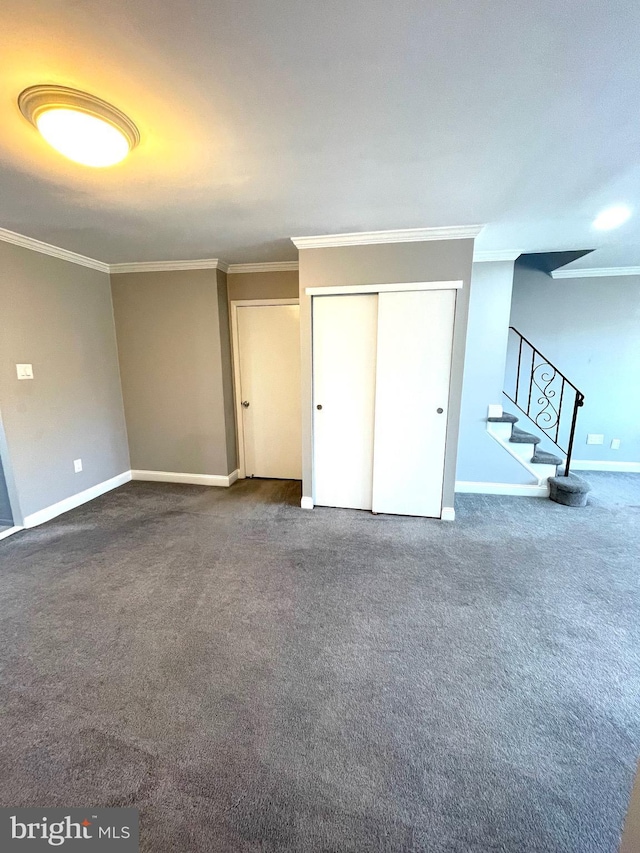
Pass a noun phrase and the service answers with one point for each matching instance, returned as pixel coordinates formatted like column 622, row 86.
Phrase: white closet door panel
column 344, row 375
column 415, row 336
column 269, row 355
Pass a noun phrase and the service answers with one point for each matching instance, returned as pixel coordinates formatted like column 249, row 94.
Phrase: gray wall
column 263, row 285
column 480, row 457
column 589, row 328
column 58, row 317
column 384, row 264
column 175, row 363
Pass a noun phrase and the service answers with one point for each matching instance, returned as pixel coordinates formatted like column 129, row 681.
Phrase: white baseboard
column 448, row 513
column 72, row 502
column 191, row 479
column 306, row 503
column 609, row 465
column 522, row 489
column 10, row 532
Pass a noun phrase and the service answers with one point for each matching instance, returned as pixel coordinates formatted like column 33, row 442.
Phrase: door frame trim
column 235, row 357
column 343, row 289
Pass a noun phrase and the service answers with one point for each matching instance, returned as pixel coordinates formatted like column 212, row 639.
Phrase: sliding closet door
column 415, row 336
column 344, row 378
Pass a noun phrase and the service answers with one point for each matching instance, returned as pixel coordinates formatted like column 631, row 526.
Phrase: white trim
column 480, row 256
column 10, row 531
column 166, row 266
column 595, row 272
column 235, row 358
column 191, row 479
column 54, row 251
column 285, row 300
column 306, row 502
column 404, row 235
column 516, row 489
column 340, row 290
column 448, row 513
column 74, row 501
column 270, row 266
column 608, row 465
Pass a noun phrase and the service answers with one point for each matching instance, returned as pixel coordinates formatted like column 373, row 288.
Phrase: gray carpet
column 254, row 677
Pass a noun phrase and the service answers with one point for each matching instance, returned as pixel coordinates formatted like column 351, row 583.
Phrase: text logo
column 72, row 829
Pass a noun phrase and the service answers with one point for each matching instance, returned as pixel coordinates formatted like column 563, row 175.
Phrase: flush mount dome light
column 612, row 217
column 82, row 127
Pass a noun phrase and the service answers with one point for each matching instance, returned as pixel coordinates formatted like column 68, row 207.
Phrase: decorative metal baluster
column 548, row 416
column 533, row 358
column 564, row 382
column 518, row 373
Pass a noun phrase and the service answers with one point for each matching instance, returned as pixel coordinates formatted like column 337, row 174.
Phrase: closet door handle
column 319, row 406
column 439, row 411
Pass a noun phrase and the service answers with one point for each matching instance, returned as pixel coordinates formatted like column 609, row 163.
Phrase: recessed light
column 612, row 217
column 80, row 126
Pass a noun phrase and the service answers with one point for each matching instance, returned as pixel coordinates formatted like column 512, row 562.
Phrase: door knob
column 245, row 403
column 439, row 411
column 319, row 406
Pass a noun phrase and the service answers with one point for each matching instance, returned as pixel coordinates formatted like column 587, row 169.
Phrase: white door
column 344, row 378
column 269, row 368
column 415, row 337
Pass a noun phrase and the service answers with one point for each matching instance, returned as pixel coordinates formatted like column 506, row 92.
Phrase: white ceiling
column 265, row 119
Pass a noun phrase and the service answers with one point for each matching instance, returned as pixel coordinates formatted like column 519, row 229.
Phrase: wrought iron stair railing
column 542, row 392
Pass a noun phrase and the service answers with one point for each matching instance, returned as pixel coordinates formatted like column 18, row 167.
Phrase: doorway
column 266, row 356
column 6, row 515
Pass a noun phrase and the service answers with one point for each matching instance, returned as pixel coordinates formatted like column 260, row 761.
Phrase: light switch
column 24, row 371
column 77, row 465
column 595, row 438
column 615, row 444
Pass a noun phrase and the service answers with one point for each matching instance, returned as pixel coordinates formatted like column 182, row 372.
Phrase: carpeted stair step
column 519, row 436
column 542, row 457
column 569, row 491
column 505, row 418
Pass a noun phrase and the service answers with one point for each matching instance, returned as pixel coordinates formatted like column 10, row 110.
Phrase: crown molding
column 595, row 272
column 166, row 266
column 272, row 266
column 54, row 251
column 480, row 257
column 405, row 235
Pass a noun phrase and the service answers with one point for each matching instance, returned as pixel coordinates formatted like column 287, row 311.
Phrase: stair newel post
column 578, row 402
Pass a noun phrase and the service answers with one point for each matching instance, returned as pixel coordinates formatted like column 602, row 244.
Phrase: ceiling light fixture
column 612, row 217
column 80, row 126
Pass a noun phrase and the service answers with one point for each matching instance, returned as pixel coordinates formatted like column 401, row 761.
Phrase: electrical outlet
column 77, row 465
column 615, row 444
column 595, row 438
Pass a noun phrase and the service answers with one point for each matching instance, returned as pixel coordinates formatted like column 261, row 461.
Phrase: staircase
column 551, row 403
column 523, row 446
